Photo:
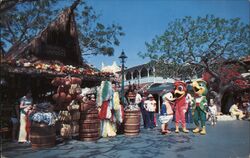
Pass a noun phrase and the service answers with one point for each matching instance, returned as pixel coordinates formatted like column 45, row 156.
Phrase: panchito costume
column 199, row 104
column 111, row 111
column 181, row 105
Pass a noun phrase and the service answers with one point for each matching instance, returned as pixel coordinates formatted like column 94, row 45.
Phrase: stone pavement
column 228, row 139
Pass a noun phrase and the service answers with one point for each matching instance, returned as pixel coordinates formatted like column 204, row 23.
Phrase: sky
column 142, row 20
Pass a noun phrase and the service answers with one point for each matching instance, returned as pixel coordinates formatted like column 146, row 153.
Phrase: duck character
column 181, row 105
column 199, row 104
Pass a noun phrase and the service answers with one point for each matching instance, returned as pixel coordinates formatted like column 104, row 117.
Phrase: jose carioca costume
column 181, row 105
column 199, row 104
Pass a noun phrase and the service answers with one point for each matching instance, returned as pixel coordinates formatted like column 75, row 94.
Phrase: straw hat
column 150, row 96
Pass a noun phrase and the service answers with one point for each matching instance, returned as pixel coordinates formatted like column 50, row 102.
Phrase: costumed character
column 166, row 112
column 199, row 105
column 110, row 111
column 181, row 105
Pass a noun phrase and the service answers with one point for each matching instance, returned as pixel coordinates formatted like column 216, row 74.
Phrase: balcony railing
column 145, row 80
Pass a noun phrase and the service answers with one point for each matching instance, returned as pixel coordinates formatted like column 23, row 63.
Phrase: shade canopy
column 160, row 88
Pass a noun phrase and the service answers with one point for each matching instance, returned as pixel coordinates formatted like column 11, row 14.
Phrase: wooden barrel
column 89, row 125
column 85, row 106
column 131, row 122
column 42, row 136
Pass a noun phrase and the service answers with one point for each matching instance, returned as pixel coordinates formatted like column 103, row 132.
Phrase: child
column 29, row 111
column 213, row 112
column 166, row 112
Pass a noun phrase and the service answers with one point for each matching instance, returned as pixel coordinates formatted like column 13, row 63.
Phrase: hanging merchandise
column 75, row 128
column 73, row 106
column 75, row 116
column 120, row 114
column 65, row 131
column 68, row 100
column 116, row 101
column 104, row 110
column 110, row 109
column 72, row 89
column 64, row 116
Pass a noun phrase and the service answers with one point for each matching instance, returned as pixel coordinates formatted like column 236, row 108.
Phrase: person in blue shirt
column 166, row 112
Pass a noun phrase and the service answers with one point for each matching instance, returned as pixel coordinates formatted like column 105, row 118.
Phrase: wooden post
column 159, row 103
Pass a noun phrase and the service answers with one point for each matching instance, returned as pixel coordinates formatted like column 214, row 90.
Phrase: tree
column 96, row 38
column 8, row 4
column 205, row 43
column 24, row 20
column 228, row 79
column 174, row 70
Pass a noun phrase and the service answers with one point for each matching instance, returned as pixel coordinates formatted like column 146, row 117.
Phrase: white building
column 114, row 68
column 143, row 74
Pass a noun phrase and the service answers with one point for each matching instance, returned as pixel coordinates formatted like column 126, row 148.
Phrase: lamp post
column 123, row 57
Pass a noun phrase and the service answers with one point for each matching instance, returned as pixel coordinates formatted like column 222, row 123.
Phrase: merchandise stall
column 54, row 52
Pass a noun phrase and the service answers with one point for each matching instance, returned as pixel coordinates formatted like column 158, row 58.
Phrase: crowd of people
column 147, row 105
column 21, row 123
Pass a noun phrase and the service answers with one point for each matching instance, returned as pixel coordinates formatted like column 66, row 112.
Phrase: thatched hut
column 55, row 51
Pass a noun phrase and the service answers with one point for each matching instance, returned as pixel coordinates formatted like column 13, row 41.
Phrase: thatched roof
column 58, row 41
column 55, row 51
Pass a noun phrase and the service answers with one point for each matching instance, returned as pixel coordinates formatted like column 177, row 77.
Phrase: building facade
column 142, row 74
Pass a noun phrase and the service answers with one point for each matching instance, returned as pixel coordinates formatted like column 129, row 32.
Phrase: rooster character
column 199, row 104
column 181, row 105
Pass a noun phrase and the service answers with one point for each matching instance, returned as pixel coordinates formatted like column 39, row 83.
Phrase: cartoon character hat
column 200, row 87
column 168, row 96
column 180, row 89
column 150, row 96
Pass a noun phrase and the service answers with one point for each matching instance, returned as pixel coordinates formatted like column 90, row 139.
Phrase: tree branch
column 11, row 32
column 8, row 4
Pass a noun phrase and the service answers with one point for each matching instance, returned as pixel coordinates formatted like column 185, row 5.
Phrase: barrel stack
column 89, row 122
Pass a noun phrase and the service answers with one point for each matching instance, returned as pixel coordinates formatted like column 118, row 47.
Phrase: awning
column 160, row 88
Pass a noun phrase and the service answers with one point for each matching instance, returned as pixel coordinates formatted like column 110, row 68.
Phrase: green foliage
column 23, row 21
column 95, row 37
column 204, row 42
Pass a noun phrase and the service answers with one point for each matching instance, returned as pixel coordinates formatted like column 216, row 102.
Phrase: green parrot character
column 199, row 104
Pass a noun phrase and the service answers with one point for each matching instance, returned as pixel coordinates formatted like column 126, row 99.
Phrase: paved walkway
column 228, row 139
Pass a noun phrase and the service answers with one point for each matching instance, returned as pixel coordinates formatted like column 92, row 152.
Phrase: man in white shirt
column 138, row 99
column 150, row 106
